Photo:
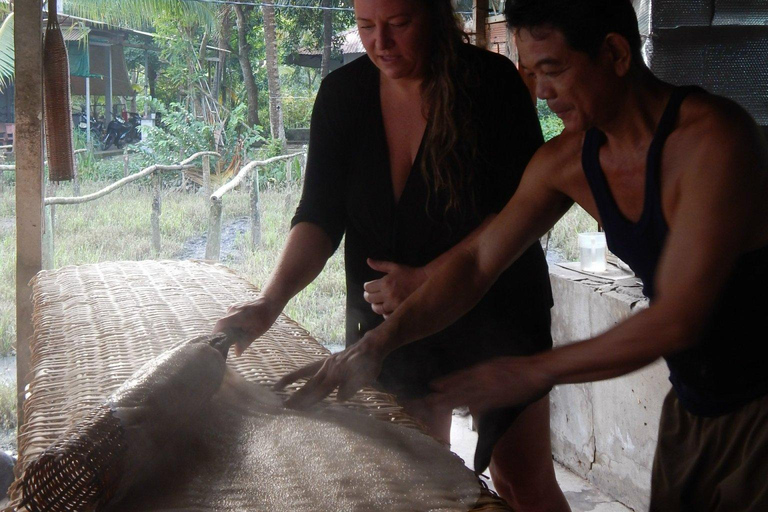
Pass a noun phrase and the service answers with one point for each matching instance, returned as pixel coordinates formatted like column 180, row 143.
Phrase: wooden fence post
column 207, row 175
column 48, row 239
column 156, row 197
column 213, row 244
column 48, row 243
column 255, row 215
column 302, row 165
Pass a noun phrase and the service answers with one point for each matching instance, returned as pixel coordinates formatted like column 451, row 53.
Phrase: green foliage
column 7, row 59
column 238, row 134
column 551, row 125
column 180, row 134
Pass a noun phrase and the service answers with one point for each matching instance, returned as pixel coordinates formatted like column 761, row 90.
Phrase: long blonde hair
column 452, row 139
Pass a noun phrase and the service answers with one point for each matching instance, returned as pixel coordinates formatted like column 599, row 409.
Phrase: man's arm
column 455, row 289
column 716, row 218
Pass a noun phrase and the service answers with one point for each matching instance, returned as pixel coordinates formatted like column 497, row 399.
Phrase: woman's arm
column 305, row 253
column 317, row 227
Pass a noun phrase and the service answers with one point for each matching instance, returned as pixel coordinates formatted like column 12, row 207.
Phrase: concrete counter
column 605, row 431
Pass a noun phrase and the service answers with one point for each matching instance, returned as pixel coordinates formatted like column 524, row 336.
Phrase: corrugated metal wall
column 721, row 45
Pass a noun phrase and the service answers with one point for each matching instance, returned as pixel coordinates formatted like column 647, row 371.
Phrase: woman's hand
column 502, row 382
column 252, row 318
column 349, row 370
column 387, row 293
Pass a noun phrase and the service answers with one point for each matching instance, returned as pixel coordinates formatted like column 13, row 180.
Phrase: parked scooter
column 81, row 121
column 120, row 133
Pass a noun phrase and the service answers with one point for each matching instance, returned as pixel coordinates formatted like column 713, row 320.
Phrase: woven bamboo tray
column 94, row 325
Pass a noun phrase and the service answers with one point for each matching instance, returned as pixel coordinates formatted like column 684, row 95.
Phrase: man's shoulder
column 559, row 158
column 706, row 117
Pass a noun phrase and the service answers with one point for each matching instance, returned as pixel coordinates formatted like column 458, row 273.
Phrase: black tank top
column 725, row 369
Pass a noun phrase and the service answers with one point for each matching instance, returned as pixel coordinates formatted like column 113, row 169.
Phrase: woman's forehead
column 369, row 9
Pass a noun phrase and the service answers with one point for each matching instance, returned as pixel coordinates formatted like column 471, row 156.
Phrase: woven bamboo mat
column 94, row 325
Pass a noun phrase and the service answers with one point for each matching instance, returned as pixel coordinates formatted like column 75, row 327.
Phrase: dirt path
column 194, row 248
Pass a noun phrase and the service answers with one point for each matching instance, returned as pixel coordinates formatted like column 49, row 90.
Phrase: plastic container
column 592, row 251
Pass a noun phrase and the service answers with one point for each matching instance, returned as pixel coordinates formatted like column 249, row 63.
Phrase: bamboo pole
column 157, row 184
column 234, row 182
column 213, row 243
column 255, row 214
column 133, row 177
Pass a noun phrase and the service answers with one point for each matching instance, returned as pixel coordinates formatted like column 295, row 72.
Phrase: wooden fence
column 213, row 242
column 153, row 170
column 213, row 245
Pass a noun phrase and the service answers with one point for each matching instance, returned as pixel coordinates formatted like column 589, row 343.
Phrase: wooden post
column 76, row 179
column 48, row 248
column 108, row 83
column 213, row 244
column 125, row 163
column 28, row 41
column 479, row 18
column 207, row 175
column 48, row 230
column 157, row 183
column 302, row 165
column 255, row 215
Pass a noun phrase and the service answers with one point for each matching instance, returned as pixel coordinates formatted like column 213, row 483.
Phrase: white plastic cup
column 592, row 250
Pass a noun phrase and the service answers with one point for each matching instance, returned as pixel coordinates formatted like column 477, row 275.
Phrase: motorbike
column 121, row 133
column 81, row 121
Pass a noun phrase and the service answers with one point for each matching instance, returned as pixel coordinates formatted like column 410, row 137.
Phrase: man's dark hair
column 584, row 23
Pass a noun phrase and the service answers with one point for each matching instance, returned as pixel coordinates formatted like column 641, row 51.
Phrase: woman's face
column 395, row 35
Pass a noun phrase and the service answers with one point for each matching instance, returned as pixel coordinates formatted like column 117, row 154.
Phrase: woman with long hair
column 413, row 147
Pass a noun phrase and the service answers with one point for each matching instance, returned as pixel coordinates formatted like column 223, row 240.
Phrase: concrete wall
column 605, row 431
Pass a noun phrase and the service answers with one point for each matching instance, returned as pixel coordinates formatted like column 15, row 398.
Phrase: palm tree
column 243, row 56
column 6, row 51
column 273, row 75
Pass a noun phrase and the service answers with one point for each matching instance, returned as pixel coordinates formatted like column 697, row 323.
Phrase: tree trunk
column 243, row 55
column 152, row 78
column 327, row 38
column 273, row 75
column 221, row 65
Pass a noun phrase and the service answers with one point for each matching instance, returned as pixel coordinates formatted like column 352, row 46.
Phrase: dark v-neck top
column 348, row 190
column 725, row 369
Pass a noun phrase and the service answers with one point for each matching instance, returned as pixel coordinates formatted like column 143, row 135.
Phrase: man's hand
column 498, row 383
column 386, row 294
column 253, row 318
column 349, row 370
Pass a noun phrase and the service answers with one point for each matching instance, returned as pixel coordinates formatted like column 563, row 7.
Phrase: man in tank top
column 679, row 180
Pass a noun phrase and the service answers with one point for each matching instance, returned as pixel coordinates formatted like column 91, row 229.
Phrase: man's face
column 395, row 35
column 576, row 87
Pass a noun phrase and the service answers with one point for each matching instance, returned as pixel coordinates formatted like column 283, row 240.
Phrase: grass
column 7, row 405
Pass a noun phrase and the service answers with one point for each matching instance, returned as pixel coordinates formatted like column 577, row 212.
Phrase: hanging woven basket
column 58, row 112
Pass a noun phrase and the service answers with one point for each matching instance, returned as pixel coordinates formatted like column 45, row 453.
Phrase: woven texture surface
column 58, row 112
column 96, row 324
